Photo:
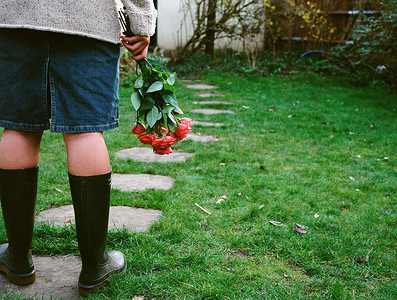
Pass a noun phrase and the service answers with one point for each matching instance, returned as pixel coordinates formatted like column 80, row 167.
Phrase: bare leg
column 19, row 149
column 87, row 154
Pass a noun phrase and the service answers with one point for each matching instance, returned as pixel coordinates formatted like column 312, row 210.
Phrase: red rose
column 186, row 121
column 138, row 128
column 160, row 143
column 165, row 130
column 167, row 150
column 146, row 138
column 181, row 131
column 170, row 139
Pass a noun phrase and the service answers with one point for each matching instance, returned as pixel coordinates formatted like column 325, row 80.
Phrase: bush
column 370, row 55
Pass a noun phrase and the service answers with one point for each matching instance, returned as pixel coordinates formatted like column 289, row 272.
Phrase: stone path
column 133, row 219
column 140, row 182
column 56, row 278
column 201, row 86
column 210, row 111
column 198, row 137
column 209, row 124
column 213, row 102
column 208, row 95
column 146, row 154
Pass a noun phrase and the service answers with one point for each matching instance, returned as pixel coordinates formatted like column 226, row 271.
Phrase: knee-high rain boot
column 18, row 190
column 91, row 201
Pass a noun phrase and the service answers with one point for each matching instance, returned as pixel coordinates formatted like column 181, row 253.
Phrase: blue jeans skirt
column 60, row 82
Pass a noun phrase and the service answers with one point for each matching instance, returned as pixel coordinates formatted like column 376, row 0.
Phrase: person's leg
column 89, row 178
column 19, row 158
column 87, row 154
column 19, row 149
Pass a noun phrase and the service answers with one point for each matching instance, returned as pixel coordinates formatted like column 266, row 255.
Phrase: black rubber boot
column 18, row 190
column 91, row 201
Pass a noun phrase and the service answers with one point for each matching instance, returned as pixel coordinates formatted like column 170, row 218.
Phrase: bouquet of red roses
column 157, row 111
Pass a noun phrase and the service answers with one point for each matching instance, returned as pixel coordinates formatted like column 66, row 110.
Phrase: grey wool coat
column 91, row 18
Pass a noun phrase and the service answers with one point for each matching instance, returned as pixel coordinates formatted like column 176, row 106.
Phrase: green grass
column 328, row 149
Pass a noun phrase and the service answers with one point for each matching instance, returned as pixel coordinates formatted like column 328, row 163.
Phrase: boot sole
column 84, row 291
column 19, row 280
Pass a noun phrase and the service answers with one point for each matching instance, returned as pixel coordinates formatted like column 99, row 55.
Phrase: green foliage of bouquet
column 158, row 121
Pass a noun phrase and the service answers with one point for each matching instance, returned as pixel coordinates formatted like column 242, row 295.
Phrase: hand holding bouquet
column 157, row 111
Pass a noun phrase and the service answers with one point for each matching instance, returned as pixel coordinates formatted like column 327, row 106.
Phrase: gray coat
column 91, row 18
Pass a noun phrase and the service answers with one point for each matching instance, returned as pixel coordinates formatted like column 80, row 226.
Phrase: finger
column 135, row 48
column 141, row 55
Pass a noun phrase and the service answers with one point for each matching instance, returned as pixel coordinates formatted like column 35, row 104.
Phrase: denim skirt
column 65, row 83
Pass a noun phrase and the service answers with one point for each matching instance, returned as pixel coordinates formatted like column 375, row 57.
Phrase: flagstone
column 131, row 218
column 198, row 137
column 56, row 278
column 208, row 111
column 201, row 86
column 194, row 122
column 146, row 154
column 208, row 95
column 140, row 182
column 213, row 102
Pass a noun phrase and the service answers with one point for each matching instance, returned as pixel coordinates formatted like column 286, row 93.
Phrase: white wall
column 170, row 16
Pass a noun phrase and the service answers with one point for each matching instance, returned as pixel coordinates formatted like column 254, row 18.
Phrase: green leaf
column 147, row 104
column 171, row 117
column 178, row 110
column 155, row 87
column 171, row 79
column 139, row 83
column 136, row 100
column 170, row 99
column 168, row 108
column 153, row 116
column 170, row 88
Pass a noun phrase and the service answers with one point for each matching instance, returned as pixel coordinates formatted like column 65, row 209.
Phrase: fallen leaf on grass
column 223, row 198
column 300, row 228
column 275, row 223
column 271, row 109
column 361, row 259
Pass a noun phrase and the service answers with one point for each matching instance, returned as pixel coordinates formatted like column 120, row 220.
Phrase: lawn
column 303, row 149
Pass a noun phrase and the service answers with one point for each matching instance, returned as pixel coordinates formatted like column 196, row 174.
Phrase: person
column 59, row 71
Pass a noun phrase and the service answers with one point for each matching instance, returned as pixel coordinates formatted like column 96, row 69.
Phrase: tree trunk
column 210, row 30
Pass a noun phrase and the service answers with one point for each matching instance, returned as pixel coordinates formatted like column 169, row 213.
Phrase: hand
column 137, row 45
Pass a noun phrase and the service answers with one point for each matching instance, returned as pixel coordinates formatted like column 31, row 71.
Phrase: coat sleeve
column 143, row 16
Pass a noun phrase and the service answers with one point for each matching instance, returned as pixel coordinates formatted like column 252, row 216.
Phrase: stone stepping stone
column 213, row 102
column 208, row 124
column 208, row 111
column 133, row 219
column 198, row 137
column 208, row 95
column 201, row 86
column 146, row 155
column 141, row 182
column 56, row 278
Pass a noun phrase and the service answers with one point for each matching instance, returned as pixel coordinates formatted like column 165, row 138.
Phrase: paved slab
column 208, row 124
column 141, row 182
column 133, row 219
column 208, row 111
column 201, row 86
column 198, row 137
column 56, row 278
column 213, row 102
column 146, row 155
column 208, row 95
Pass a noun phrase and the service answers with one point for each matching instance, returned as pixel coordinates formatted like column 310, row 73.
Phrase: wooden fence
column 340, row 15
